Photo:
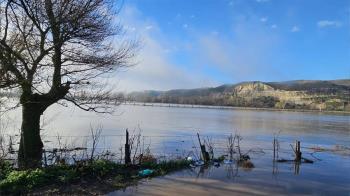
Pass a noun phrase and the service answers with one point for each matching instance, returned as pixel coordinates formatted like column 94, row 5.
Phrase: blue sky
column 198, row 43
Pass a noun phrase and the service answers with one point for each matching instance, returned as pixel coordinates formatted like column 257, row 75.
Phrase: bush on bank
column 13, row 181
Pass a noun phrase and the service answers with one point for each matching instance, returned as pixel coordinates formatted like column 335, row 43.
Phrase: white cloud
column 329, row 23
column 263, row 19
column 295, row 29
column 242, row 57
column 274, row 26
column 155, row 70
column 148, row 27
column 216, row 50
column 185, row 26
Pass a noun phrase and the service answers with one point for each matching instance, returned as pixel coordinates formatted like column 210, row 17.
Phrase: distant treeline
column 305, row 95
column 258, row 102
column 300, row 95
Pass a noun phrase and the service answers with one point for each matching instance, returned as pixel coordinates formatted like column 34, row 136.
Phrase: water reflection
column 171, row 132
column 296, row 167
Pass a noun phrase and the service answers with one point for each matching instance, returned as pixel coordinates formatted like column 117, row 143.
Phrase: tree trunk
column 30, row 148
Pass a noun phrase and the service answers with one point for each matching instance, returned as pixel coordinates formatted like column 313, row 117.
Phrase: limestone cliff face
column 259, row 89
column 252, row 87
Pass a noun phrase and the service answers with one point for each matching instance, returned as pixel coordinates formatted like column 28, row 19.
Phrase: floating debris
column 199, row 163
column 145, row 172
column 228, row 161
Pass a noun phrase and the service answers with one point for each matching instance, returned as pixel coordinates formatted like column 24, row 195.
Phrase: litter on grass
column 145, row 172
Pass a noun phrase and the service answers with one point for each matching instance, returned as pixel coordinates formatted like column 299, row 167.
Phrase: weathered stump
column 127, row 149
column 205, row 154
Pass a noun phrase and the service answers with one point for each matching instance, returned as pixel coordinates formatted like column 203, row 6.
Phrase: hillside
column 298, row 94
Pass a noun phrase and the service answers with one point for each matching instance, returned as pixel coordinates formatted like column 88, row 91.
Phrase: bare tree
column 55, row 51
column 95, row 138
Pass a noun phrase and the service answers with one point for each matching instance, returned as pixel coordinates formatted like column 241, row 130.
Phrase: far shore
column 175, row 105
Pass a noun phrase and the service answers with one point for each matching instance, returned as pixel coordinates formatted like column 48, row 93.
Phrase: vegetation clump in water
column 13, row 181
column 246, row 164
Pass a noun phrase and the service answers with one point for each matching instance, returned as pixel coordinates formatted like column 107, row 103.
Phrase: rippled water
column 171, row 131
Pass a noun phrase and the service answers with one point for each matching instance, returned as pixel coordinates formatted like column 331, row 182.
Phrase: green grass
column 14, row 181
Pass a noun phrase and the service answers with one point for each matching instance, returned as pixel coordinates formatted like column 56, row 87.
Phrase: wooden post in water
column 274, row 149
column 205, row 154
column 297, row 151
column 277, row 148
column 127, row 149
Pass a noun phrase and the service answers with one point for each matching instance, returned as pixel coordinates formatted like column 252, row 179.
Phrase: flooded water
column 170, row 131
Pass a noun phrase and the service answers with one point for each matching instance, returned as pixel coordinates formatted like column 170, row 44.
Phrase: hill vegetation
column 333, row 95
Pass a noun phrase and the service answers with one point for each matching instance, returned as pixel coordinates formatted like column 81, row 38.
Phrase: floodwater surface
column 171, row 132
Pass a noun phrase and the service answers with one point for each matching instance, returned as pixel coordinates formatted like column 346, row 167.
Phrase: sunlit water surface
column 170, row 131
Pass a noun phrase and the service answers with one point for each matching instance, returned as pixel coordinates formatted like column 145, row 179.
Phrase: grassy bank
column 96, row 177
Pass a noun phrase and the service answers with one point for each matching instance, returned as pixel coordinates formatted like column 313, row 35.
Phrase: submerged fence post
column 277, row 148
column 127, row 149
column 205, row 154
column 297, row 151
column 274, row 149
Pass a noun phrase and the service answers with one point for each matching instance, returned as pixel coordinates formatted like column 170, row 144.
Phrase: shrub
column 102, row 167
column 19, row 181
column 5, row 169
